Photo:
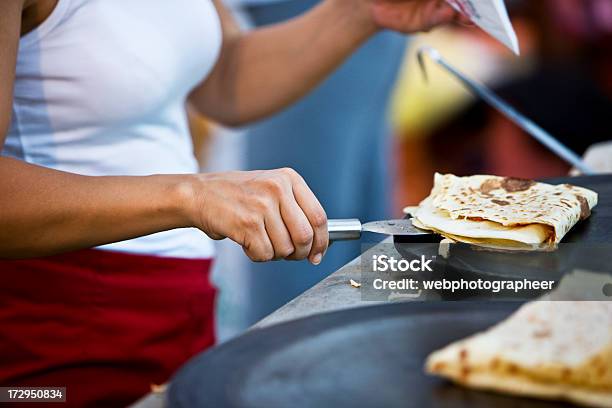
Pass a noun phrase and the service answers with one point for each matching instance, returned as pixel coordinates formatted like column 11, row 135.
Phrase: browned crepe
column 498, row 211
column 552, row 350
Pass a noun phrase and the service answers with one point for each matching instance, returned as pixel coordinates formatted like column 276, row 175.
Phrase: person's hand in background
column 409, row 16
column 263, row 71
column 272, row 214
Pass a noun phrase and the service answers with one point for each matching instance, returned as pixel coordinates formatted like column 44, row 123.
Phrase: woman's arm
column 272, row 214
column 261, row 72
column 44, row 211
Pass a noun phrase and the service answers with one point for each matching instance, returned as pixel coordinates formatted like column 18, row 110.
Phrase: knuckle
column 256, row 248
column 274, row 185
column 262, row 255
column 303, row 235
column 288, row 171
column 268, row 254
column 262, row 203
column 250, row 221
column 286, row 251
column 319, row 218
column 257, row 258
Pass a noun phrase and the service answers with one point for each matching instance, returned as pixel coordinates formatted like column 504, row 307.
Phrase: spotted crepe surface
column 550, row 349
column 510, row 201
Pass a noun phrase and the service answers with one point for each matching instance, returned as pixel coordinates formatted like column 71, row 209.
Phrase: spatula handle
column 344, row 230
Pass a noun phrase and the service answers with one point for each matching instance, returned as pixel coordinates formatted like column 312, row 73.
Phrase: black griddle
column 588, row 246
column 365, row 357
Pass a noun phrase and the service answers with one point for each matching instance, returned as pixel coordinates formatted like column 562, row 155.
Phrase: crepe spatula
column 349, row 229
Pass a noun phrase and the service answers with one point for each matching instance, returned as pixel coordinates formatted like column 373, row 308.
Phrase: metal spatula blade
column 392, row 227
column 341, row 230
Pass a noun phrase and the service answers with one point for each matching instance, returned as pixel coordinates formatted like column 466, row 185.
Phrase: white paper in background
column 491, row 16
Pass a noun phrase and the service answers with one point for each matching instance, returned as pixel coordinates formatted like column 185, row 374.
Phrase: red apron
column 104, row 324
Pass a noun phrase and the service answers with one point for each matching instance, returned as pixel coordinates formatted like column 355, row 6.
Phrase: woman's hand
column 272, row 214
column 409, row 16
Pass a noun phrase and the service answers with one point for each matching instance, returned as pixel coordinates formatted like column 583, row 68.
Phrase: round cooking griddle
column 587, row 246
column 365, row 357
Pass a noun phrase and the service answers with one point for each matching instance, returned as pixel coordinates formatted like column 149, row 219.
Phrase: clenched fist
column 272, row 214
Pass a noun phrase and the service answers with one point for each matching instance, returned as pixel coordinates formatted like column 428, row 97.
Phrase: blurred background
column 369, row 139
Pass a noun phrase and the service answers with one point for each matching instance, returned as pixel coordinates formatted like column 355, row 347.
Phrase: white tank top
column 100, row 90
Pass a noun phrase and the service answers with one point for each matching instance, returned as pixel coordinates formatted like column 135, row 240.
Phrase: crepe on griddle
column 551, row 350
column 503, row 212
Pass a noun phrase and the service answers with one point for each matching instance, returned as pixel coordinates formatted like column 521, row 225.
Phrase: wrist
column 181, row 199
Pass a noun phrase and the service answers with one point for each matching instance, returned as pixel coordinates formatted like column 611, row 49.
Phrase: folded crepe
column 550, row 350
column 503, row 212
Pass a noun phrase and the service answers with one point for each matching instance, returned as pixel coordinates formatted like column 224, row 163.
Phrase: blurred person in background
column 338, row 140
column 96, row 154
column 562, row 82
column 567, row 91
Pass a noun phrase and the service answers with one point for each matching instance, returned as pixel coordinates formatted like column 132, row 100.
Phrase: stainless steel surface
column 343, row 230
column 502, row 106
column 349, row 229
column 335, row 292
column 332, row 293
column 393, row 227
